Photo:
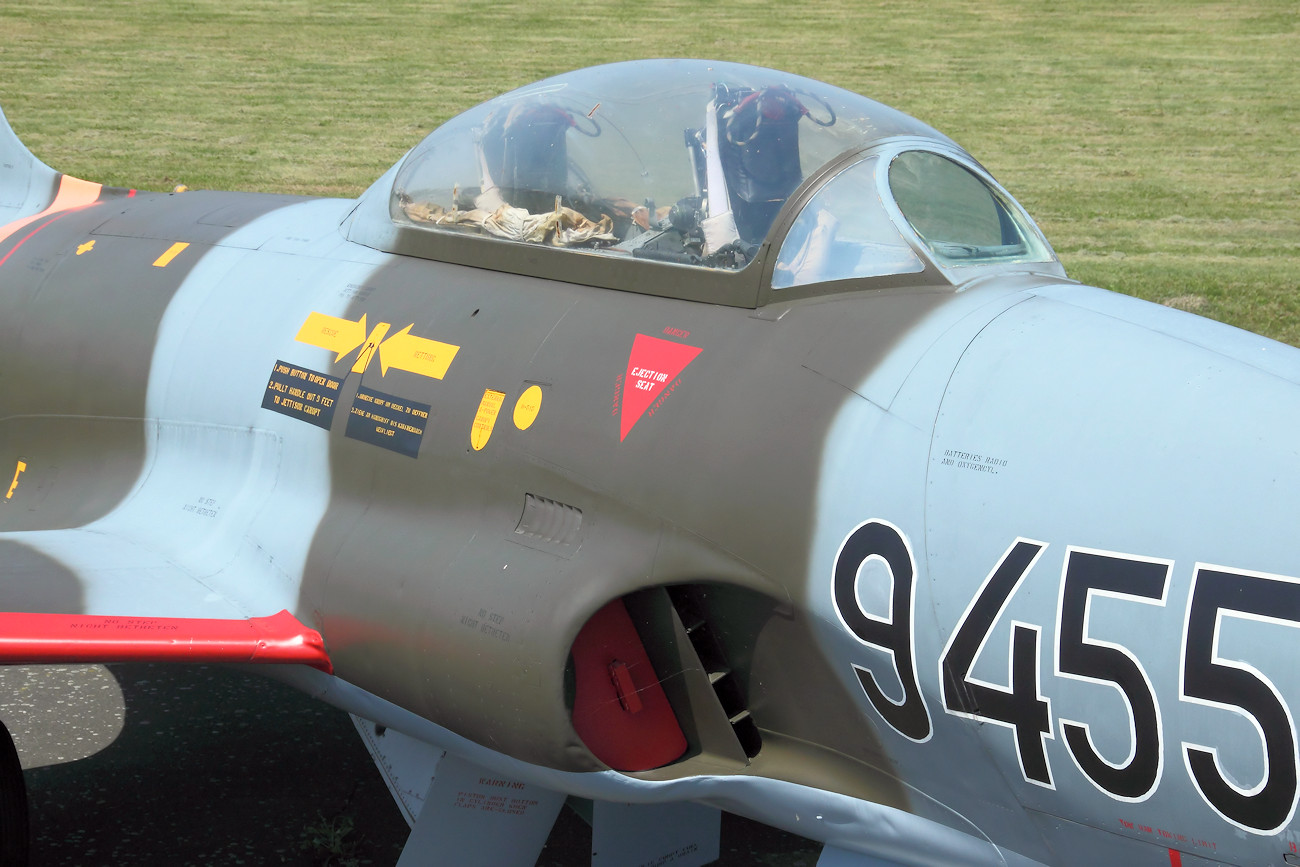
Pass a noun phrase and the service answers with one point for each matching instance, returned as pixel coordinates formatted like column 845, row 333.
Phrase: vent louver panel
column 550, row 521
column 726, row 683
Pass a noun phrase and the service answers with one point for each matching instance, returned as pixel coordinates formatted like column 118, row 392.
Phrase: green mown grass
column 1156, row 143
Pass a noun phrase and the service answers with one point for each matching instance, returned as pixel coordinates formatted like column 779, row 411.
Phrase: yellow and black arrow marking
column 401, row 351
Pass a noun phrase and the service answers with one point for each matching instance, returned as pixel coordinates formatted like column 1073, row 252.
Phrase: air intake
column 691, row 608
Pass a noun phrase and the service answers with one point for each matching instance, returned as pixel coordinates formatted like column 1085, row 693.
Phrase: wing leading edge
column 27, row 638
column 79, row 595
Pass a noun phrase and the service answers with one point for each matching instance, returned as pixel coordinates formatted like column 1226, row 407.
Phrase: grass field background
column 1156, row 143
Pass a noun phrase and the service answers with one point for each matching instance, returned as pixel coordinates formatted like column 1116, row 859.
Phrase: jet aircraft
column 664, row 438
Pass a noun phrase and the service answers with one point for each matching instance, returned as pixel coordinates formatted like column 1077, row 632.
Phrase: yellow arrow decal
column 332, row 333
column 405, row 351
column 372, row 343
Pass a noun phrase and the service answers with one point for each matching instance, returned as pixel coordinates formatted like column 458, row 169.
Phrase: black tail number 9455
column 1207, row 676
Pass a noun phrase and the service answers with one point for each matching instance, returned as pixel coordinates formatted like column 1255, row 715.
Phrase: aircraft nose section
column 1110, row 537
column 1107, row 421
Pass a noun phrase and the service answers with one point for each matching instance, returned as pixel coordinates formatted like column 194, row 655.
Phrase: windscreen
column 843, row 233
column 959, row 216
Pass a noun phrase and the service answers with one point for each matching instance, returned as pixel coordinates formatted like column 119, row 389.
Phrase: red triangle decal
column 651, row 367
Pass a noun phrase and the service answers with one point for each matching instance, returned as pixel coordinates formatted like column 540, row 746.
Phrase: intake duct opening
column 660, row 677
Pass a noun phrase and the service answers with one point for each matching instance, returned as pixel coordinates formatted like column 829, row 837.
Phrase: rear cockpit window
column 844, row 232
column 961, row 219
column 686, row 162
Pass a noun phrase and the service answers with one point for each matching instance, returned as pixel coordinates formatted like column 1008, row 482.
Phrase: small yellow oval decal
column 528, row 406
column 486, row 418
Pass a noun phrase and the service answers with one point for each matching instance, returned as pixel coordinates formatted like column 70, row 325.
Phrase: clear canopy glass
column 682, row 161
column 844, row 232
column 960, row 217
column 846, row 229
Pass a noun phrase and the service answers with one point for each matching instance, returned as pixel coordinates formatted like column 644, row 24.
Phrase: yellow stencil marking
column 86, row 247
column 528, row 406
column 13, row 486
column 368, row 350
column 405, row 351
column 486, row 419
column 332, row 333
column 402, row 351
column 172, row 252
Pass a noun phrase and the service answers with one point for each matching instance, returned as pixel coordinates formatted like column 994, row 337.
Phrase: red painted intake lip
column 620, row 710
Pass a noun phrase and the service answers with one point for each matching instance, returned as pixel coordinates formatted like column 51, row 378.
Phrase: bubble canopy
column 625, row 168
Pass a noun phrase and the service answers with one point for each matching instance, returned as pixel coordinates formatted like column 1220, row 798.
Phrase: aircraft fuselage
column 1018, row 549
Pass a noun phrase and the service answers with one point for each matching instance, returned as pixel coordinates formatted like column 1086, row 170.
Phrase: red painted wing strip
column 278, row 639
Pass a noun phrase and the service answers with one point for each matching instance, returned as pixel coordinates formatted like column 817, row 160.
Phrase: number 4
column 1019, row 706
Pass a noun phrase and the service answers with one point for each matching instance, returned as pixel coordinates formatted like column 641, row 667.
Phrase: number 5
column 1207, row 678
column 1083, row 658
